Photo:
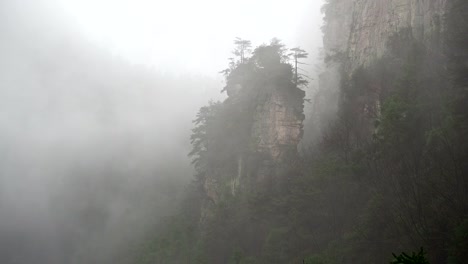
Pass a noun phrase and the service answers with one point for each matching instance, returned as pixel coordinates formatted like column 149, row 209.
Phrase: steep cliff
column 278, row 121
column 253, row 134
column 386, row 174
column 360, row 29
column 396, row 72
column 359, row 35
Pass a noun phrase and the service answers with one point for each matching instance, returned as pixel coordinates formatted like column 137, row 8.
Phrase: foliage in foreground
column 414, row 258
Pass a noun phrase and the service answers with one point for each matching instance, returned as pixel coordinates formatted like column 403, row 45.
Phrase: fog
column 96, row 104
column 194, row 36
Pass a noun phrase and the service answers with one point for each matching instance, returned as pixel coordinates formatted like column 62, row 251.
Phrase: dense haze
column 169, row 132
column 95, row 114
column 193, row 36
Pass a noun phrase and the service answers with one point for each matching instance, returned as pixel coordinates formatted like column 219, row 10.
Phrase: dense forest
column 387, row 175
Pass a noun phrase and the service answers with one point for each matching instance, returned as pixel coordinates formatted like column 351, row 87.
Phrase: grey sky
column 192, row 35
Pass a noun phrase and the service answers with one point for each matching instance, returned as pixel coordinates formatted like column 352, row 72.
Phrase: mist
column 95, row 125
column 238, row 132
column 93, row 148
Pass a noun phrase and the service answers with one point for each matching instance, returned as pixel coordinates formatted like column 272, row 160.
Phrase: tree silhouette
column 242, row 49
column 404, row 258
column 297, row 54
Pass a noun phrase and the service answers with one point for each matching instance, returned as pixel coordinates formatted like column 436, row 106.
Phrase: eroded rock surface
column 277, row 126
column 360, row 29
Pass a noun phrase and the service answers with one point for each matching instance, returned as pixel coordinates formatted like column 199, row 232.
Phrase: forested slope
column 388, row 173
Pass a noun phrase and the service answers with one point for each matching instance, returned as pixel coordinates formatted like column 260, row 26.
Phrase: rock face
column 358, row 33
column 273, row 115
column 360, row 29
column 277, row 127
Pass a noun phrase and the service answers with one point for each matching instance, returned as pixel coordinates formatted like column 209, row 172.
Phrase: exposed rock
column 360, row 29
column 277, row 126
column 275, row 132
column 360, row 32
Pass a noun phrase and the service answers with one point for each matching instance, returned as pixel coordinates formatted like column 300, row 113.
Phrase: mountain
column 385, row 174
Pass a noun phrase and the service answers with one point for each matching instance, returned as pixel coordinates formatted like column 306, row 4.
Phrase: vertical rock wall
column 360, row 32
column 360, row 29
column 277, row 127
column 275, row 131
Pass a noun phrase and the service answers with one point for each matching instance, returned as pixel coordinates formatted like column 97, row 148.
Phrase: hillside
column 387, row 174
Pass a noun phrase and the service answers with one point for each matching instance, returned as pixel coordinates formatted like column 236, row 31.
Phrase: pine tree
column 297, row 54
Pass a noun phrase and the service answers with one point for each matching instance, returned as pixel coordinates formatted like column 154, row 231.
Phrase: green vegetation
column 415, row 258
column 389, row 174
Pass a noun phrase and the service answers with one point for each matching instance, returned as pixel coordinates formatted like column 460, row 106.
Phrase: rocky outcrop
column 268, row 120
column 358, row 33
column 360, row 30
column 277, row 126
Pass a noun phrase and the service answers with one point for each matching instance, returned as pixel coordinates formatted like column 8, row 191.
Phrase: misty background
column 97, row 100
